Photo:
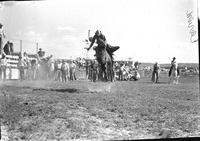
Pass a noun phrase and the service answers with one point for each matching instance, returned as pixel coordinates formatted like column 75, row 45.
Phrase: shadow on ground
column 69, row 90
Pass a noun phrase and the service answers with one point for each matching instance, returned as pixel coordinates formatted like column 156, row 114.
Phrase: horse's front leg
column 112, row 74
column 103, row 69
column 106, row 72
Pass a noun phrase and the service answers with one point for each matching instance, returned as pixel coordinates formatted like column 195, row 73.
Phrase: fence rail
column 12, row 71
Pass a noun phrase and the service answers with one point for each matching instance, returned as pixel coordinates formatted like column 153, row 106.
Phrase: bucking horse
column 104, row 56
column 106, row 63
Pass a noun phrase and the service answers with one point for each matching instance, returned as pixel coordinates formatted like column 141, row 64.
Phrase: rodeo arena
column 20, row 65
column 44, row 98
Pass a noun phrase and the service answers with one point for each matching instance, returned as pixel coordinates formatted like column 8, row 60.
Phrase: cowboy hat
column 97, row 32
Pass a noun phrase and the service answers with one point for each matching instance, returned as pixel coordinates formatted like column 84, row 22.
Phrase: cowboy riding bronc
column 101, row 42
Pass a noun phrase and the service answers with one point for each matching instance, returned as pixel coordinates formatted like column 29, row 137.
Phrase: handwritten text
column 191, row 27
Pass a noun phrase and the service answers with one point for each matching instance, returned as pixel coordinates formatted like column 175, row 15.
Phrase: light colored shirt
column 21, row 63
column 59, row 65
column 65, row 66
column 72, row 66
column 3, row 62
column 51, row 60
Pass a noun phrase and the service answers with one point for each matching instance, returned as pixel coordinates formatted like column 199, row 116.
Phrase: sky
column 145, row 30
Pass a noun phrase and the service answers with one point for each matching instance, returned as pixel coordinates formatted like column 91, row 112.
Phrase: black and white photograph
column 90, row 70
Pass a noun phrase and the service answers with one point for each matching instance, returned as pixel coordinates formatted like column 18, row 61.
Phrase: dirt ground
column 84, row 110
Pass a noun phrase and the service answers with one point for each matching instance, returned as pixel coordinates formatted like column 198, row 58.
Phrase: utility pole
column 88, row 33
column 21, row 47
column 36, row 47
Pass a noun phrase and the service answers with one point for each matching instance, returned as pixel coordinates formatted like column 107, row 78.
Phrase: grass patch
column 11, row 110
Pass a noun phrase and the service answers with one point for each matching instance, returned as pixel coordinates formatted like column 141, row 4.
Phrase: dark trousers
column 155, row 76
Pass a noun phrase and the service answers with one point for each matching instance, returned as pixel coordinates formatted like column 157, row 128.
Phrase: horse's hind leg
column 111, row 73
column 100, row 75
column 107, row 72
column 104, row 71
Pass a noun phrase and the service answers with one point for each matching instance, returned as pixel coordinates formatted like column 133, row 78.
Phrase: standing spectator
column 115, row 68
column 87, row 66
column 65, row 71
column 21, row 65
column 56, row 69
column 72, row 70
column 59, row 73
column 126, row 71
column 2, row 35
column 155, row 72
column 3, row 66
column 94, row 70
column 121, row 77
